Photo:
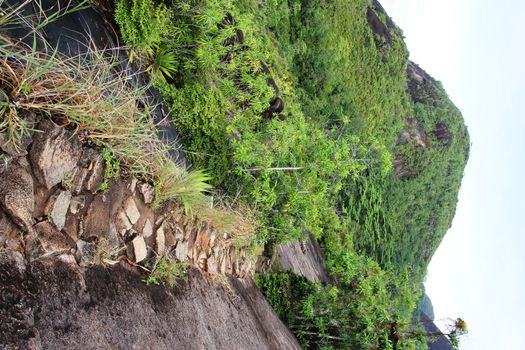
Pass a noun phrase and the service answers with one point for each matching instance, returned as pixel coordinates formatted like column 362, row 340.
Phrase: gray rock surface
column 47, row 241
column 17, row 196
column 54, row 153
column 304, row 258
column 60, row 208
column 87, row 252
column 90, row 173
column 147, row 192
column 111, row 308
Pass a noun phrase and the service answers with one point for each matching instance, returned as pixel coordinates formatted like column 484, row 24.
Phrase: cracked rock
column 60, row 207
column 90, row 173
column 47, row 241
column 139, row 248
column 147, row 192
column 132, row 211
column 147, row 230
column 55, row 153
column 17, row 196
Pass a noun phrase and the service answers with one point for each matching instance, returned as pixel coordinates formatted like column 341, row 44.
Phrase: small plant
column 167, row 272
column 112, row 168
column 187, row 186
column 164, row 63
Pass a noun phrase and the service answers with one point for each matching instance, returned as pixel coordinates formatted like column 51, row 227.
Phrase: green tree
column 453, row 330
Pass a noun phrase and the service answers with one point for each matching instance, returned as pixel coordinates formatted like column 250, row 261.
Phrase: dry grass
column 94, row 94
column 236, row 220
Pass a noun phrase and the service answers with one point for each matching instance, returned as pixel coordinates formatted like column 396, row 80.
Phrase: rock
column 55, row 153
column 181, row 251
column 96, row 223
column 139, row 248
column 19, row 260
column 133, row 185
column 212, row 265
column 68, row 259
column 202, row 261
column 147, row 192
column 304, row 258
column 132, row 212
column 123, row 222
column 7, row 228
column 112, row 309
column 17, row 196
column 15, row 150
column 88, row 252
column 5, row 160
column 90, row 173
column 161, row 242
column 71, row 227
column 111, row 243
column 76, row 204
column 58, row 214
column 147, row 230
column 47, row 241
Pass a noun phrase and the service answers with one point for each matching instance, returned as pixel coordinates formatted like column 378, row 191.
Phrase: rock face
column 16, row 195
column 305, row 258
column 60, row 307
column 54, row 154
column 440, row 342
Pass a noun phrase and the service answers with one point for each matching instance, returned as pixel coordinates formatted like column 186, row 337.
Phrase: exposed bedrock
column 50, row 304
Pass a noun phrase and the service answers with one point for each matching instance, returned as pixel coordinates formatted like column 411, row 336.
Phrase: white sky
column 477, row 49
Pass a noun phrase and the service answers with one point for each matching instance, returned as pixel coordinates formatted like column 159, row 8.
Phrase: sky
column 476, row 48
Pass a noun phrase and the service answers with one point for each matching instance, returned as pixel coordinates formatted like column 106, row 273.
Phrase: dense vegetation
column 295, row 109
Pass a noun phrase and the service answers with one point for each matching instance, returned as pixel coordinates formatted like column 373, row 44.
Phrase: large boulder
column 54, row 154
column 51, row 304
column 17, row 196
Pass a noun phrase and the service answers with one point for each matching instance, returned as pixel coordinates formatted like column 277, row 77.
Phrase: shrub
column 142, row 23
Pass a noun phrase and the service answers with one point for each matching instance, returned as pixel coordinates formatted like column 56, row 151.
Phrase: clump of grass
column 171, row 181
column 236, row 223
column 167, row 272
column 112, row 169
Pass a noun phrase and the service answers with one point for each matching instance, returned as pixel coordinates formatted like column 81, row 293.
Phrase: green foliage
column 164, row 63
column 167, row 273
column 142, row 23
column 111, row 170
column 357, row 314
column 402, row 221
